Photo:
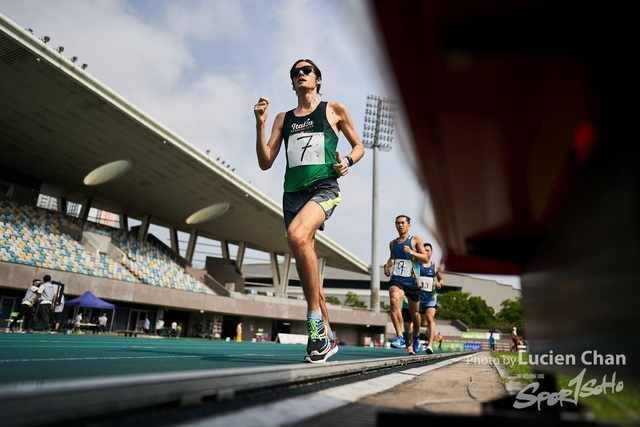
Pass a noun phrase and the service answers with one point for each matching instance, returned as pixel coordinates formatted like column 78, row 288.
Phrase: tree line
column 472, row 311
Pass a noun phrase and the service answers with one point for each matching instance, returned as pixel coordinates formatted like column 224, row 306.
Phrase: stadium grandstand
column 81, row 164
column 34, row 236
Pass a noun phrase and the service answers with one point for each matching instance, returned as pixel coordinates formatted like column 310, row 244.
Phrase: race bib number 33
column 305, row 149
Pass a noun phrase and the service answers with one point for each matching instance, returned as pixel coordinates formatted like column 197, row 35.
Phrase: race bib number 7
column 427, row 283
column 402, row 268
column 306, row 148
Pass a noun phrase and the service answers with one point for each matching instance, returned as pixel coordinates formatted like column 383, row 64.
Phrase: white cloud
column 205, row 20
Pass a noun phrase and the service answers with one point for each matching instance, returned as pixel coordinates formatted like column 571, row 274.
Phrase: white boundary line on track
column 297, row 409
column 75, row 359
column 66, row 359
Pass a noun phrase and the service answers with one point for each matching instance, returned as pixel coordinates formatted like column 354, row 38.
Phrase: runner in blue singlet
column 431, row 280
column 403, row 267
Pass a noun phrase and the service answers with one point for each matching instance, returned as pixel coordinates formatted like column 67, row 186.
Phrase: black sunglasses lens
column 306, row 70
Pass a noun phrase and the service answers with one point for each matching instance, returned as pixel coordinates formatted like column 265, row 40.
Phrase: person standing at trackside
column 403, row 266
column 76, row 325
column 311, row 191
column 27, row 308
column 159, row 326
column 46, row 301
column 102, row 322
column 515, row 339
column 239, row 332
column 174, row 330
column 440, row 339
column 57, row 312
column 431, row 280
column 492, row 342
column 147, row 326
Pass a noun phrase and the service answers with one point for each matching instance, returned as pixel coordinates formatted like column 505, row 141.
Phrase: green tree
column 331, row 299
column 472, row 311
column 482, row 316
column 454, row 305
column 352, row 300
column 511, row 315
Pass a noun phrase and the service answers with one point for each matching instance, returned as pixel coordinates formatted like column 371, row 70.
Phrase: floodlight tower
column 377, row 134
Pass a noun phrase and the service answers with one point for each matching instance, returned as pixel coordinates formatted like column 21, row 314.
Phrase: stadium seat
column 31, row 236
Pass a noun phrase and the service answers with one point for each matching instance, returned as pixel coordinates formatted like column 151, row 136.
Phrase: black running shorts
column 325, row 192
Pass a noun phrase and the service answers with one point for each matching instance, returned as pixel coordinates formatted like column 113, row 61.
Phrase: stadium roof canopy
column 58, row 124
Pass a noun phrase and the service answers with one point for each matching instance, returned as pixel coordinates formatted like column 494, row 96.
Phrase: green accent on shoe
column 312, row 326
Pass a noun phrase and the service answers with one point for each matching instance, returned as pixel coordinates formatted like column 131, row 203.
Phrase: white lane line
column 296, row 409
column 96, row 358
column 421, row 370
column 100, row 347
column 63, row 359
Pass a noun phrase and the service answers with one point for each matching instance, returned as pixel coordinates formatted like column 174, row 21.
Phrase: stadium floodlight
column 378, row 123
column 84, row 66
column 74, row 58
column 377, row 134
column 60, row 49
column 45, row 39
column 30, row 30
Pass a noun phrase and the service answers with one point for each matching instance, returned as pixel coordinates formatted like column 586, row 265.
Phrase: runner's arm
column 418, row 252
column 267, row 152
column 439, row 276
column 345, row 125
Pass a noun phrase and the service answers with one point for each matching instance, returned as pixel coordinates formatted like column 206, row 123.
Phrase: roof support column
column 321, row 264
column 191, row 246
column 240, row 255
column 280, row 277
column 224, row 245
column 124, row 222
column 62, row 205
column 173, row 235
column 286, row 271
column 275, row 274
column 144, row 228
column 86, row 206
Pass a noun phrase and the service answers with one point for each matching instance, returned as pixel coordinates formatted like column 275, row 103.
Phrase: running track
column 39, row 357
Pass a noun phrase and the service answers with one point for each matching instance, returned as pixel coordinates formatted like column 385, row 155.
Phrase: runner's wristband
column 349, row 161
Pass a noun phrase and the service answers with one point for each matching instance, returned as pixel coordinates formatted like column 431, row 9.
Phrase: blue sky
column 199, row 66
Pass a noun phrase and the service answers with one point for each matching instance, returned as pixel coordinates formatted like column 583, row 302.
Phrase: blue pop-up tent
column 91, row 301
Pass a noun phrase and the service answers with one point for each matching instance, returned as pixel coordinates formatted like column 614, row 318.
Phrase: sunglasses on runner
column 307, row 69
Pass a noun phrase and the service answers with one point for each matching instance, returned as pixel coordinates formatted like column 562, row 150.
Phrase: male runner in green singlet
column 311, row 191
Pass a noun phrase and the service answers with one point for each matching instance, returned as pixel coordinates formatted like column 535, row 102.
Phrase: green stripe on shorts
column 327, row 205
